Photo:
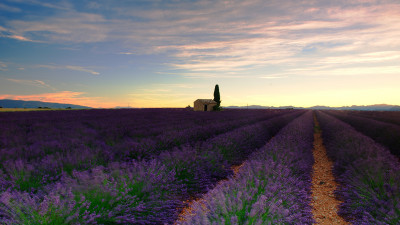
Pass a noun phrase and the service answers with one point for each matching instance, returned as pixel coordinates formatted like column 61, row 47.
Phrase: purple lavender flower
column 268, row 189
column 368, row 174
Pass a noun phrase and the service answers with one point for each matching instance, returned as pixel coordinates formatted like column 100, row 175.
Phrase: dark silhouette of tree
column 217, row 98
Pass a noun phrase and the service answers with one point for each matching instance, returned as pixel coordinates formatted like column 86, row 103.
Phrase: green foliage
column 217, row 98
column 25, row 180
column 51, row 217
column 101, row 202
column 216, row 108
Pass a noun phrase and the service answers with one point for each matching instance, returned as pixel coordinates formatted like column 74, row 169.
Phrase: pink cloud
column 18, row 37
column 352, row 35
column 4, row 32
column 65, row 97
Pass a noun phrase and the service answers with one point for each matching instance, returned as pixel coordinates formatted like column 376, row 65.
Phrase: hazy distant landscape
column 7, row 103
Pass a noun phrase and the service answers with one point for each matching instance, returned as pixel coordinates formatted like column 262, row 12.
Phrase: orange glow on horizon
column 64, row 97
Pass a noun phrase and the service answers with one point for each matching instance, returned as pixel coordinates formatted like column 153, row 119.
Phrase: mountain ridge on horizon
column 374, row 107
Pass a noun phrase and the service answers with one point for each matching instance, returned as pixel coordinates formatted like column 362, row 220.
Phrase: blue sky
column 169, row 53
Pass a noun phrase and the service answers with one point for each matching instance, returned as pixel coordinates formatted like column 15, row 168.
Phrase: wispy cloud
column 3, row 66
column 69, row 26
column 367, row 58
column 37, row 83
column 334, row 35
column 126, row 53
column 9, row 8
column 256, row 31
column 378, row 71
column 69, row 67
column 6, row 33
column 63, row 5
column 79, row 68
column 18, row 37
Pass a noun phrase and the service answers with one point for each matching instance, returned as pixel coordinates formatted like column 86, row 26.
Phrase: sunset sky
column 153, row 53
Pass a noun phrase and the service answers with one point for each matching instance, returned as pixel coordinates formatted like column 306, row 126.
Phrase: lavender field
column 147, row 166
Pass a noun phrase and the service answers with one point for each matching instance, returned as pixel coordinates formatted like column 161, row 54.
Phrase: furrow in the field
column 325, row 204
column 367, row 173
column 272, row 187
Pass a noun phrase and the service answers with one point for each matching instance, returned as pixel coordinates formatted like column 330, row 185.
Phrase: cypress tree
column 217, row 97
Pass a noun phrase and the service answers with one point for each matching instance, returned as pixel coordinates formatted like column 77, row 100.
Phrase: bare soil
column 325, row 205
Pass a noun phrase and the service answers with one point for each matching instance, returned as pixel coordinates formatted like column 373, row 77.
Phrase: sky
column 153, row 53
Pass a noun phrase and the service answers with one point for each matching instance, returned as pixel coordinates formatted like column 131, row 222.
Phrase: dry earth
column 324, row 203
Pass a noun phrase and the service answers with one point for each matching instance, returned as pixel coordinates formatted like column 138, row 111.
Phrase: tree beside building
column 217, row 98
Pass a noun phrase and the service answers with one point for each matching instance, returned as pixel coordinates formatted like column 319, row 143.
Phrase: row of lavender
column 369, row 175
column 272, row 187
column 384, row 116
column 36, row 147
column 387, row 134
column 139, row 191
column 25, row 132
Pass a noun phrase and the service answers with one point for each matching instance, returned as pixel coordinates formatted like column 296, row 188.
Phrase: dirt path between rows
column 324, row 203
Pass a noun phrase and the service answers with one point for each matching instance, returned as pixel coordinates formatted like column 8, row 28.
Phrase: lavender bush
column 384, row 116
column 60, row 168
column 62, row 141
column 384, row 133
column 199, row 167
column 272, row 187
column 123, row 193
column 369, row 175
column 56, row 207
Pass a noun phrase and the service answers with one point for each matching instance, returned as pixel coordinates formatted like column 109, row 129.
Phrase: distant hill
column 8, row 103
column 377, row 107
column 262, row 107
